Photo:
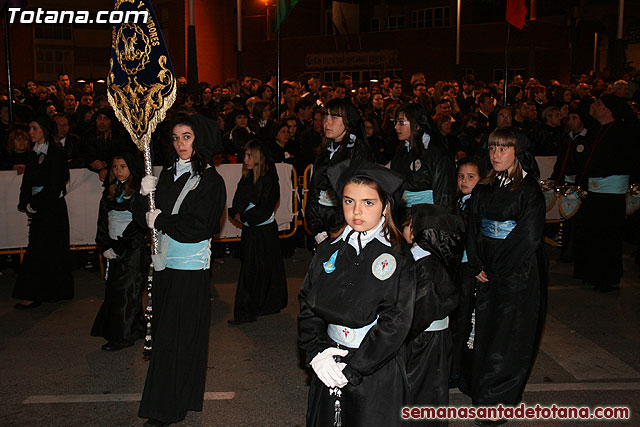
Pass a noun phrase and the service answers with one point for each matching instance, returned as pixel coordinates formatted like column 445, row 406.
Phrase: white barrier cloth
column 83, row 197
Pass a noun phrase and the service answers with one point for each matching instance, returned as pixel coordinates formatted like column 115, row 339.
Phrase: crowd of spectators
column 464, row 112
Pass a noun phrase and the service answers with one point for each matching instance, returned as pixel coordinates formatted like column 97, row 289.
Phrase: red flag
column 516, row 12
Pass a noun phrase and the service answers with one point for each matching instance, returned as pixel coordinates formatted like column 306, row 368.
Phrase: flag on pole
column 516, row 12
column 283, row 8
column 346, row 17
column 141, row 87
column 141, row 84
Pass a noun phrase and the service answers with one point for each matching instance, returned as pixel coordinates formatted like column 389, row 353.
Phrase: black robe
column 434, row 170
column 329, row 218
column 599, row 222
column 181, row 300
column 45, row 273
column 460, row 319
column 429, row 352
column 120, row 318
column 352, row 296
column 262, row 285
column 511, row 307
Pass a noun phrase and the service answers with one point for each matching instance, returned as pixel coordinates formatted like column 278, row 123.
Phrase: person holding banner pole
column 190, row 199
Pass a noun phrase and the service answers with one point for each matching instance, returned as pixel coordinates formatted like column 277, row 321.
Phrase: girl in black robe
column 469, row 174
column 356, row 306
column 121, row 241
column 190, row 199
column 436, row 234
column 262, row 285
column 344, row 139
column 505, row 253
column 45, row 273
column 423, row 160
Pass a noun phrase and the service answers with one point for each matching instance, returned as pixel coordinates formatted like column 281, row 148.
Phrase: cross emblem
column 385, row 263
column 345, row 331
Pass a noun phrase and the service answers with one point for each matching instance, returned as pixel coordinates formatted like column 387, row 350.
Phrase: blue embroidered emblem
column 330, row 266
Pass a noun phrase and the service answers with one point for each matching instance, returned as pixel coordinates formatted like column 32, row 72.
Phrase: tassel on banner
column 148, row 315
column 472, row 335
column 337, row 420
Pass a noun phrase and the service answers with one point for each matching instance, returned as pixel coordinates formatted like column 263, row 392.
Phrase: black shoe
column 114, row 346
column 21, row 306
column 235, row 322
column 154, row 422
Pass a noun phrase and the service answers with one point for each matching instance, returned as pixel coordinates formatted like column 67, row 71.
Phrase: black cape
column 353, row 296
column 120, row 318
column 45, row 273
column 262, row 285
column 181, row 300
column 329, row 218
column 434, row 170
column 511, row 307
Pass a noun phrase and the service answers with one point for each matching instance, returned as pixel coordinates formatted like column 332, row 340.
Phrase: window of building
column 395, row 23
column 375, row 24
column 53, row 60
column 431, row 17
column 53, row 31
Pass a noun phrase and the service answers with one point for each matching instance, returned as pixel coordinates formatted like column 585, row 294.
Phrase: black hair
column 198, row 162
column 417, row 116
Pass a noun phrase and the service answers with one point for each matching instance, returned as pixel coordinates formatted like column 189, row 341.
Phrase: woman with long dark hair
column 506, row 255
column 45, row 273
column 190, row 198
column 343, row 139
column 121, row 242
column 423, row 160
column 262, row 285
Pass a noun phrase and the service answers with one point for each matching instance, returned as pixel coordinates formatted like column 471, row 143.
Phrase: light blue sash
column 438, row 325
column 328, row 198
column 268, row 221
column 38, row 188
column 418, row 197
column 464, row 256
column 188, row 256
column 614, row 184
column 118, row 222
column 496, row 229
column 182, row 256
column 349, row 337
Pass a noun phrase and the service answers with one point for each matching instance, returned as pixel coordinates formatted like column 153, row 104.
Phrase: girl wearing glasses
column 343, row 139
column 423, row 160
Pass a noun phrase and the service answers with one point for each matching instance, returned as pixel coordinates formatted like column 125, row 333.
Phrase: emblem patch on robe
column 416, row 165
column 384, row 266
column 330, row 266
column 580, row 148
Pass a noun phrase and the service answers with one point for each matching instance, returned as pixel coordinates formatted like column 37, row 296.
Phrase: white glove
column 326, row 368
column 29, row 209
column 320, row 237
column 110, row 254
column 151, row 217
column 148, row 184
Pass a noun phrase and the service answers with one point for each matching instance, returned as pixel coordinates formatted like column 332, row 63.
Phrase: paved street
column 52, row 373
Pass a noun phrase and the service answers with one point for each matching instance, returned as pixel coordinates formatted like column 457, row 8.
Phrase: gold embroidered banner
column 141, row 84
